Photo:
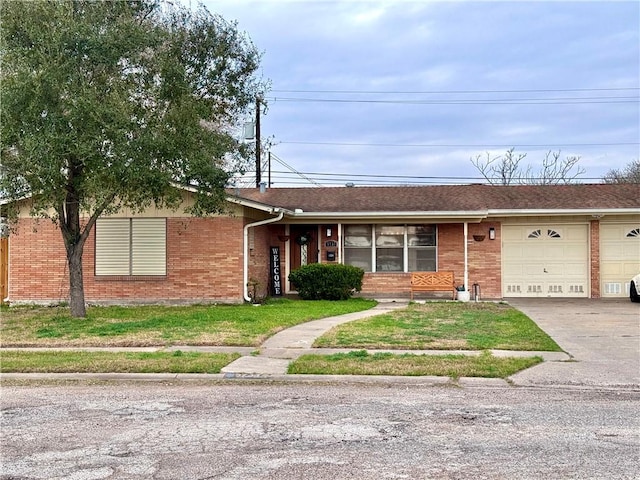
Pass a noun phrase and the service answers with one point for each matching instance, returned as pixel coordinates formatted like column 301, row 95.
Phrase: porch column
column 339, row 243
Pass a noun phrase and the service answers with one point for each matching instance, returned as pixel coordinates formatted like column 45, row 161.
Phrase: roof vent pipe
column 263, row 187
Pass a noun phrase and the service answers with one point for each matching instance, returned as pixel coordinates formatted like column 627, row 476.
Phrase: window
column 357, row 246
column 131, row 246
column 421, row 240
column 390, row 248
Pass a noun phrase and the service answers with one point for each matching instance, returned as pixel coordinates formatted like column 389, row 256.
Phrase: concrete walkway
column 276, row 353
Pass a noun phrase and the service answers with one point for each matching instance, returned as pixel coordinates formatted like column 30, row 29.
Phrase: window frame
column 373, row 247
column 132, row 259
column 357, row 248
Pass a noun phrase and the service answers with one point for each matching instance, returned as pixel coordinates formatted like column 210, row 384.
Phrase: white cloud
column 446, row 46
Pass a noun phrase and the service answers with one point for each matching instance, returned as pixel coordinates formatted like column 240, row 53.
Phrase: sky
column 406, row 92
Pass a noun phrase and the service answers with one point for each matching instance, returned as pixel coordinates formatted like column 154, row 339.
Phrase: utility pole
column 258, row 173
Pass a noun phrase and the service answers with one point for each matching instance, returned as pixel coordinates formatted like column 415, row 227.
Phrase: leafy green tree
column 110, row 104
column 629, row 174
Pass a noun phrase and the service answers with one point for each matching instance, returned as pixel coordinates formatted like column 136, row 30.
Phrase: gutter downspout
column 245, row 268
column 466, row 256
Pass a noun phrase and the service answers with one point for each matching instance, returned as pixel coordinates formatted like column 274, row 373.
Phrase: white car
column 634, row 289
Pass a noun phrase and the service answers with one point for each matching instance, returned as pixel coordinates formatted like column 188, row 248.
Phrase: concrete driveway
column 601, row 336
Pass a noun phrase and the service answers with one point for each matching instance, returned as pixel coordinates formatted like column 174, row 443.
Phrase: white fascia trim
column 237, row 200
column 7, row 201
column 470, row 215
column 256, row 205
column 558, row 212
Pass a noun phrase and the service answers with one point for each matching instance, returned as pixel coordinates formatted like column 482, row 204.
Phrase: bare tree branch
column 507, row 169
column 628, row 174
column 500, row 169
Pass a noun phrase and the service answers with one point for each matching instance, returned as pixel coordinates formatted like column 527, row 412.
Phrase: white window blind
column 148, row 246
column 113, row 246
column 131, row 246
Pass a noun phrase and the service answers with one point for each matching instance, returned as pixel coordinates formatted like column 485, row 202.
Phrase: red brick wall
column 594, row 241
column 264, row 237
column 37, row 263
column 451, row 249
column 483, row 259
column 204, row 263
column 324, row 239
column 386, row 284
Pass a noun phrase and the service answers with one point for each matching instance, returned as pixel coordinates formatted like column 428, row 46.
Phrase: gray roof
column 449, row 198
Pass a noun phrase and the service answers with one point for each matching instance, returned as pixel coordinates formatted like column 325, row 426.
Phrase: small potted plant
column 253, row 286
column 463, row 294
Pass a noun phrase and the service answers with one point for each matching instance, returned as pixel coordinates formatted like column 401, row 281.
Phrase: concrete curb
column 373, row 380
column 231, row 377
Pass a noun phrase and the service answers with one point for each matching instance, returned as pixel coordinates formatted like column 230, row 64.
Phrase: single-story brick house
column 577, row 240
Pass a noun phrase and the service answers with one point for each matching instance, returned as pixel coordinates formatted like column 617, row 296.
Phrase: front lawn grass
column 442, row 326
column 114, row 362
column 154, row 325
column 455, row 366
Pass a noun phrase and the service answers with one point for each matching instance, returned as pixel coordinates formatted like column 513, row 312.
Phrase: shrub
column 319, row 281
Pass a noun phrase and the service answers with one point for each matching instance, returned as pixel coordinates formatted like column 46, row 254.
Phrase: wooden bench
column 433, row 282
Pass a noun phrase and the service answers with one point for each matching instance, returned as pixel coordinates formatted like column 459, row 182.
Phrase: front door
column 304, row 245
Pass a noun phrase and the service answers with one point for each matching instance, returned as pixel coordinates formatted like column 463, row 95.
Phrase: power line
column 508, row 101
column 364, row 175
column 286, row 165
column 339, row 178
column 445, row 92
column 460, row 145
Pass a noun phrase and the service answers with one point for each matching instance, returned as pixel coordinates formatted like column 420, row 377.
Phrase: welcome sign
column 276, row 278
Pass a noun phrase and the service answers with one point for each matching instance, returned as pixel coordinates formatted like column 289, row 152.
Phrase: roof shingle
column 449, row 198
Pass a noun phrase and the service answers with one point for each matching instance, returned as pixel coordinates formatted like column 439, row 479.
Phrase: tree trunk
column 73, row 234
column 76, row 282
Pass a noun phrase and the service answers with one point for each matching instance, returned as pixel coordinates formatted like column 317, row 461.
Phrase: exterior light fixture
column 328, row 232
column 492, row 233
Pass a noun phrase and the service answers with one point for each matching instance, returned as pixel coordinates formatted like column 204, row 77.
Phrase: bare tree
column 555, row 170
column 500, row 169
column 628, row 174
column 508, row 169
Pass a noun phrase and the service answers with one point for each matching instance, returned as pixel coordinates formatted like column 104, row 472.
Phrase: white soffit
column 563, row 212
column 459, row 216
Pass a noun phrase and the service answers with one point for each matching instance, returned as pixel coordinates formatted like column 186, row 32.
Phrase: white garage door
column 545, row 261
column 619, row 257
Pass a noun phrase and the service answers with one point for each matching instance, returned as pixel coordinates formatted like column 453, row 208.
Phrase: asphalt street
column 239, row 430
